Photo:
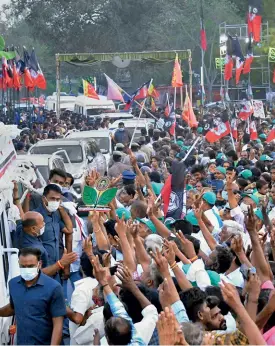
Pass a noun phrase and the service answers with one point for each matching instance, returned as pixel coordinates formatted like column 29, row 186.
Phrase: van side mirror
column 90, row 159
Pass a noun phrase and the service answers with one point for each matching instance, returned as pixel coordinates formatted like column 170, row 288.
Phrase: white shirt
column 146, row 326
column 82, row 300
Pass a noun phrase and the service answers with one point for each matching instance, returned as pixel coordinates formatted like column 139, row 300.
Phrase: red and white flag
column 253, row 131
column 246, row 110
column 271, row 136
column 221, row 130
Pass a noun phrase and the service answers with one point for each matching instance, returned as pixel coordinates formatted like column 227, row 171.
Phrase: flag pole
column 140, row 113
column 190, row 77
column 186, row 95
column 181, row 98
column 145, row 109
column 190, row 150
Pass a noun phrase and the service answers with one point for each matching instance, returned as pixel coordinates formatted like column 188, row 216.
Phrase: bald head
column 32, row 222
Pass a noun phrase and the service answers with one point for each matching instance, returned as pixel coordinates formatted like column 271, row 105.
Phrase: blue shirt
column 23, row 240
column 118, row 310
column 35, row 307
column 50, row 238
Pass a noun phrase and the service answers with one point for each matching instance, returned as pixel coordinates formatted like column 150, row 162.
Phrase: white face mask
column 53, row 206
column 42, row 230
column 244, row 207
column 225, row 195
column 28, row 274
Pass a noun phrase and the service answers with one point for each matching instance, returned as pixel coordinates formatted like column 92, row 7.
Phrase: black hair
column 193, row 299
column 27, row 251
column 69, row 175
column 242, row 182
column 195, row 242
column 216, row 291
column 143, row 131
column 223, row 260
column 261, row 183
column 86, row 263
column 133, row 306
column 155, row 177
column 130, row 190
column 59, row 172
column 110, row 227
column 197, row 169
column 212, row 302
column 118, row 331
column 51, row 187
column 184, row 226
column 232, row 154
column 211, row 154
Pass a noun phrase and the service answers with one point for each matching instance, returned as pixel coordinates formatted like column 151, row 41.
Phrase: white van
column 9, row 214
column 88, row 106
column 101, row 137
column 67, row 102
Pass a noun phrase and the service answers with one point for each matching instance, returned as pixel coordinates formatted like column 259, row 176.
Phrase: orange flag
column 153, row 105
column 188, row 114
column 89, row 90
column 177, row 74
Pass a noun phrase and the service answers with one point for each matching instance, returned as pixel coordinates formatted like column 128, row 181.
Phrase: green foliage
column 122, row 25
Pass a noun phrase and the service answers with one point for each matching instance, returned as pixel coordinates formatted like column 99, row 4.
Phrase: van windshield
column 74, row 152
column 102, row 142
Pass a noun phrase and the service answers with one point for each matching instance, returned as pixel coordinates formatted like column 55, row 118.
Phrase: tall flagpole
column 140, row 114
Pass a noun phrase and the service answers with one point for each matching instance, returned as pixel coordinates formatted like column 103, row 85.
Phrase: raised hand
column 100, row 273
column 161, row 262
column 187, row 245
column 250, row 220
column 88, row 246
column 124, row 274
column 68, row 258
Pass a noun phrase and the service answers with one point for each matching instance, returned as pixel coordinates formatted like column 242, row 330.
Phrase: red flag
column 177, row 74
column 253, row 131
column 248, row 62
column 249, row 58
column 239, row 69
column 165, row 193
column 16, row 78
column 203, row 31
column 254, row 19
column 220, row 131
column 271, row 136
column 228, row 71
column 234, row 129
column 142, row 93
column 246, row 110
column 188, row 114
column 167, row 110
column 89, row 90
column 28, row 79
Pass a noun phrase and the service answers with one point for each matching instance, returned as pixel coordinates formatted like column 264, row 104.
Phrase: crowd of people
column 138, row 275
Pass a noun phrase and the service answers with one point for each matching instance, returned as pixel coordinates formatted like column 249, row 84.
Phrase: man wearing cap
column 210, row 211
column 119, row 147
column 266, row 158
column 140, row 156
column 148, row 151
column 122, row 135
column 118, row 167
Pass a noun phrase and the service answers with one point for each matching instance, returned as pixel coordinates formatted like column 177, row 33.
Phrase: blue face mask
column 65, row 189
column 121, row 129
column 225, row 195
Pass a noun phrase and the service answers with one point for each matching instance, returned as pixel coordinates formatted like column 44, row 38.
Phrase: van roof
column 88, row 134
column 61, row 141
column 86, row 101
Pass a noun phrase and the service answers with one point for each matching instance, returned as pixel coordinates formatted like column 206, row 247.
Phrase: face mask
column 121, row 129
column 28, row 274
column 65, row 189
column 52, row 206
column 225, row 195
column 244, row 207
column 42, row 230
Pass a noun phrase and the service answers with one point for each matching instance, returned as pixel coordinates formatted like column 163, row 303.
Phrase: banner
column 271, row 54
column 258, row 107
